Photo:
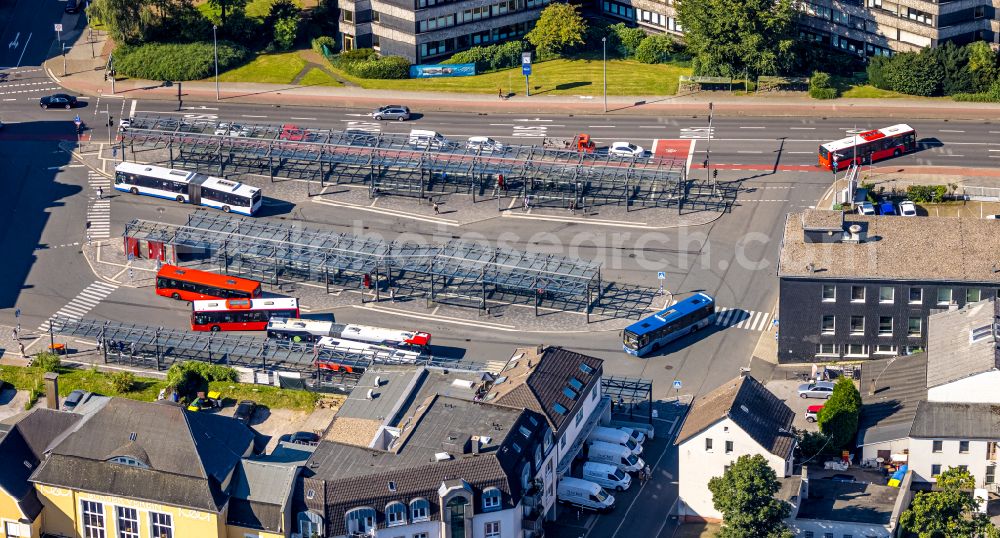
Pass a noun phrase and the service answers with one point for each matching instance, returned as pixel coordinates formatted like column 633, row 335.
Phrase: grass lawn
column 271, row 397
column 315, row 77
column 867, row 91
column 274, row 68
column 697, row 530
column 553, row 77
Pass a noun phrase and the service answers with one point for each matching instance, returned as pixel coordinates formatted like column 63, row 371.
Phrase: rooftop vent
column 853, row 234
column 442, row 456
column 744, row 409
column 132, row 436
column 392, row 486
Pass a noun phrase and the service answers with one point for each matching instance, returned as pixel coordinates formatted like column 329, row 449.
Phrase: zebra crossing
column 750, row 320
column 98, row 209
column 83, row 303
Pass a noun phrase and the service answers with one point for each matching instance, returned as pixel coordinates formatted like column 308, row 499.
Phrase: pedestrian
column 437, row 209
column 527, row 204
column 100, row 192
column 500, row 93
column 13, row 335
column 21, row 346
column 392, row 295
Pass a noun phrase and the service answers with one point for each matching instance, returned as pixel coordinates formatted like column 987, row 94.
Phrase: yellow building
column 22, row 447
column 142, row 470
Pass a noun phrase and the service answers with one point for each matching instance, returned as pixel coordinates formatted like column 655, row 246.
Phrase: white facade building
column 739, row 418
column 946, row 435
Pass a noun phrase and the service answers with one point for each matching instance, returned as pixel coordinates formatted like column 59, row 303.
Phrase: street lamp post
column 708, row 151
column 215, row 44
column 604, row 47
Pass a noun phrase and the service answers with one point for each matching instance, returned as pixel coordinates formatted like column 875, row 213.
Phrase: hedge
column 820, row 87
column 389, row 67
column 177, row 61
column 492, row 57
column 926, row 193
column 655, row 49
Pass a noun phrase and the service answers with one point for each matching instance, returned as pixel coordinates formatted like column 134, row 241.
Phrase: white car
column 124, row 123
column 866, row 208
column 907, row 208
column 222, row 129
column 625, row 149
column 484, row 144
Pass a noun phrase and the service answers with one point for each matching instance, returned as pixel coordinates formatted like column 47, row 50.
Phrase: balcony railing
column 532, row 521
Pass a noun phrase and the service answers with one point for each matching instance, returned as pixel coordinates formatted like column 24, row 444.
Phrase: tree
column 948, row 511
column 559, row 27
column 745, row 496
column 655, row 49
column 627, row 39
column 982, row 65
column 911, row 73
column 727, row 36
column 122, row 17
column 839, row 416
column 285, row 32
column 820, row 86
column 228, row 6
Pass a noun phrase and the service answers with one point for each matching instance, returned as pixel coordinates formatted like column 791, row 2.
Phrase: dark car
column 244, row 411
column 59, row 100
column 300, row 438
column 75, row 398
column 72, row 6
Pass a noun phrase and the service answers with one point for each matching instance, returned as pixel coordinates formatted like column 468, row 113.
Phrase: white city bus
column 187, row 187
column 305, row 330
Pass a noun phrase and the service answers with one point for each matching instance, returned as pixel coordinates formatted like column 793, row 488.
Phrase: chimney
column 805, row 483
column 744, row 372
column 52, row 390
column 475, row 444
column 853, row 234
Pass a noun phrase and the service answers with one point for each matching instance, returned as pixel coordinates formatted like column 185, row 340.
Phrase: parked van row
column 612, row 453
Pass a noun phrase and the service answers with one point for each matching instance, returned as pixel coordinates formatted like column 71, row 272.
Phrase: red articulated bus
column 869, row 146
column 194, row 285
column 240, row 314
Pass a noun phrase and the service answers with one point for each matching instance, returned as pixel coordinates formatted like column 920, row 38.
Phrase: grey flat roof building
column 952, row 351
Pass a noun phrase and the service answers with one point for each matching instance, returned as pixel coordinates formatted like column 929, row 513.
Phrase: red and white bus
column 240, row 314
column 194, row 285
column 869, row 146
column 370, row 351
column 305, row 330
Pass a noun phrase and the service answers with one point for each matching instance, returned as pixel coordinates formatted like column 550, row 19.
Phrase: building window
column 827, row 535
column 454, row 517
column 885, row 349
column 708, row 444
column 579, row 417
column 857, row 324
column 360, row 520
column 376, row 17
column 886, row 294
column 729, row 447
column 128, row 522
column 885, row 325
column 829, row 293
column 981, row 333
column 979, row 12
column 419, row 510
column 93, row 519
column 161, row 525
column 915, row 327
column 944, row 296
column 919, row 16
column 991, row 474
column 829, row 324
column 395, row 514
column 963, row 467
column 857, row 294
column 492, row 529
column 491, row 499
column 916, row 295
column 875, row 3
column 809, row 534
column 935, row 469
column 856, row 350
column 12, row 529
column 420, row 535
column 826, row 349
column 347, row 15
column 963, row 447
column 937, row 446
column 972, row 295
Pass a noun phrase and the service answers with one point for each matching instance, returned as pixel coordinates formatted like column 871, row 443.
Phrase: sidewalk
column 85, row 75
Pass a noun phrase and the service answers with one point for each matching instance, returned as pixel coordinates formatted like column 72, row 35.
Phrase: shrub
column 389, row 67
column 176, row 61
column 820, row 87
column 926, row 193
column 286, row 30
column 190, row 377
column 357, row 55
column 627, row 39
column 47, row 362
column 914, row 74
column 331, row 44
column 655, row 49
column 839, row 416
column 490, row 58
column 122, row 382
column 876, row 72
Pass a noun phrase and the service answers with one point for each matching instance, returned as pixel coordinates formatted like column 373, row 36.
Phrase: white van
column 616, row 455
column 584, row 494
column 635, row 434
column 616, row 436
column 422, row 138
column 607, row 476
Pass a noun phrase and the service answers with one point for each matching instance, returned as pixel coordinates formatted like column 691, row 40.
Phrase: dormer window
column 491, row 499
column 419, row 510
column 395, row 514
column 131, row 462
column 360, row 520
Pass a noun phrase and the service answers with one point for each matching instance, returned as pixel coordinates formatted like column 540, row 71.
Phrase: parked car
column 72, row 6
column 300, row 438
column 584, row 494
column 293, row 133
column 886, row 207
column 222, row 129
column 907, row 208
column 812, row 412
column 75, row 398
column 391, row 112
column 866, row 208
column 58, row 100
column 625, row 149
column 484, row 144
column 818, row 389
column 606, row 476
column 244, row 411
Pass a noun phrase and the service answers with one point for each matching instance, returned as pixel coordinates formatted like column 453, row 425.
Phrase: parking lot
column 787, row 390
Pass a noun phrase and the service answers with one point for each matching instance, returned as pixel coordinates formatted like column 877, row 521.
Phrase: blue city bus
column 695, row 312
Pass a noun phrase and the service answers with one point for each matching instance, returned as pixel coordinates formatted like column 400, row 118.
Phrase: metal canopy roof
column 323, row 250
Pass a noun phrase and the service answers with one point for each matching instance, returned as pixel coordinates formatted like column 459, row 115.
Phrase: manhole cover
column 668, row 367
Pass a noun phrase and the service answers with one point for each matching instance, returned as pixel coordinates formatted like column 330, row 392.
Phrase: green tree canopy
column 227, row 7
column 727, row 36
column 950, row 511
column 839, row 416
column 122, row 17
column 559, row 27
column 745, row 496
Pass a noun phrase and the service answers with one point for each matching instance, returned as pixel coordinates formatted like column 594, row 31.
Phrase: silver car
column 392, row 112
column 818, row 389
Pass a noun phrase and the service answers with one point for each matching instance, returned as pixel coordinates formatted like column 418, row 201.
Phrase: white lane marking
column 601, row 127
column 802, row 128
column 294, row 118
column 749, row 151
column 800, row 152
column 949, row 131
column 131, row 111
column 746, row 127
column 23, row 51
column 249, row 116
column 653, row 126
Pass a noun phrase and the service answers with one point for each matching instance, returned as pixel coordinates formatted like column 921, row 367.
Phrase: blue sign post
column 677, row 389
column 526, row 71
column 661, row 275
